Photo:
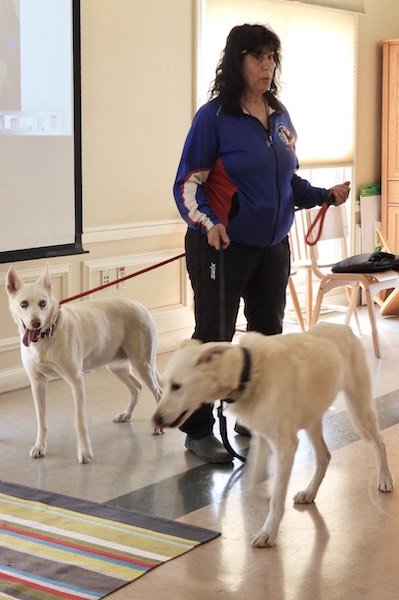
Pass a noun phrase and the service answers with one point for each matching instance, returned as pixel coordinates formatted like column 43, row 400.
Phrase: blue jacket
column 234, row 171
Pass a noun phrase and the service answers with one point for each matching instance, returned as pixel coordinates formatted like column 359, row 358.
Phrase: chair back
column 300, row 255
column 335, row 226
column 335, row 229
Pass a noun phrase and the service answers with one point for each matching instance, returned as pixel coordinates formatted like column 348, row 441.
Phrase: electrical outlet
column 121, row 272
column 105, row 276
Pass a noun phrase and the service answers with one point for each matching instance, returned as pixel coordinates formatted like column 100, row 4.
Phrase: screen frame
column 76, row 247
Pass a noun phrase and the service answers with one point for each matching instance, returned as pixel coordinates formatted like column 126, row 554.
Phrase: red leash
column 101, row 287
column 321, row 215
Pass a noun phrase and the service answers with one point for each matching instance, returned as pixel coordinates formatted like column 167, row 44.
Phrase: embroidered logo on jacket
column 286, row 136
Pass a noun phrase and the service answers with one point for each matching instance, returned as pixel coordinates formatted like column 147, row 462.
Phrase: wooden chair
column 295, row 302
column 389, row 304
column 335, row 227
column 300, row 261
column 307, row 259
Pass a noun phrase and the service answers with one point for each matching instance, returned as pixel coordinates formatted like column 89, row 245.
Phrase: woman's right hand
column 217, row 237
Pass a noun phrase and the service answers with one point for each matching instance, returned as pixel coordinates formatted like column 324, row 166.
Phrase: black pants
column 258, row 275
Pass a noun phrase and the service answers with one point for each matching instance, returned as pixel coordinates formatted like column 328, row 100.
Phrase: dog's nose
column 158, row 420
column 35, row 323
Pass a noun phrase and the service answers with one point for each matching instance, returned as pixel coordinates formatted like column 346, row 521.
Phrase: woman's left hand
column 340, row 193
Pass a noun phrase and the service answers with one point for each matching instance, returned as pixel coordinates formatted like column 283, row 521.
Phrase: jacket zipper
column 270, row 143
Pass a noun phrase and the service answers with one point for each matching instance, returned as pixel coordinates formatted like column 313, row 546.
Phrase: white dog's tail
column 360, row 403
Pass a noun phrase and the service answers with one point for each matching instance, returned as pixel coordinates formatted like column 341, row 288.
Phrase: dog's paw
column 304, row 497
column 158, row 430
column 263, row 539
column 85, row 456
column 123, row 417
column 85, row 459
column 38, row 451
column 385, row 483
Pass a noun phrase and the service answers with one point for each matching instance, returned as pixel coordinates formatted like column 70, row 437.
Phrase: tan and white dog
column 276, row 386
column 72, row 339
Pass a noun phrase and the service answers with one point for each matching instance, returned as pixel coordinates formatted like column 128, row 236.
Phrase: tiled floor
column 346, row 545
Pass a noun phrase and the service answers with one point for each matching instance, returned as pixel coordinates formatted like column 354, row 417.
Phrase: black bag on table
column 368, row 263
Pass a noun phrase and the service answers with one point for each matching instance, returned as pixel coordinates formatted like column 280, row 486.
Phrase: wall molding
column 145, row 259
column 112, row 233
column 62, row 271
column 168, row 318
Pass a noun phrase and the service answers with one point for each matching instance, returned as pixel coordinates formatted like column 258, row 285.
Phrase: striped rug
column 54, row 546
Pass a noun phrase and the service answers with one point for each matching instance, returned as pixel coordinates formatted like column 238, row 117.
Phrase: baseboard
column 13, row 379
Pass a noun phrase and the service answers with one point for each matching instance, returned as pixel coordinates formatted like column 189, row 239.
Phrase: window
column 318, row 69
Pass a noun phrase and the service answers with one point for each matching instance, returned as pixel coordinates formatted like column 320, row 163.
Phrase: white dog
column 277, row 385
column 72, row 339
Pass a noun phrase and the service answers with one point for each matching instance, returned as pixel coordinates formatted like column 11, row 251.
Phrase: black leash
column 222, row 337
column 223, row 434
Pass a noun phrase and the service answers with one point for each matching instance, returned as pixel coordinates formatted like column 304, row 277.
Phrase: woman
column 236, row 188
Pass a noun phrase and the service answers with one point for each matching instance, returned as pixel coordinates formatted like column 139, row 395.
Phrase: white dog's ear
column 13, row 282
column 44, row 279
column 212, row 354
column 190, row 342
column 225, row 361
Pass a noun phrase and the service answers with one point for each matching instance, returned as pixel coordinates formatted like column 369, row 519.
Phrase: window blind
column 356, row 6
column 318, row 70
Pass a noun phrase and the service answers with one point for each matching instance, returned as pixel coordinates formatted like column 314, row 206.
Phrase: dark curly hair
column 229, row 83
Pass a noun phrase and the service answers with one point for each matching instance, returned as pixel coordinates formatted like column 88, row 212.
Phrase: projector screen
column 40, row 129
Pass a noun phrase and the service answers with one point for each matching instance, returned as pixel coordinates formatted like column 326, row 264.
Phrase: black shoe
column 241, row 430
column 208, row 448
